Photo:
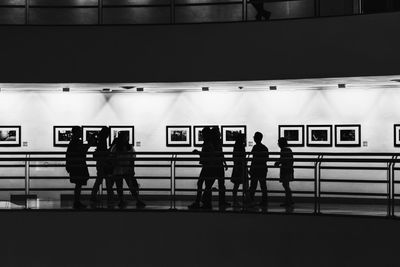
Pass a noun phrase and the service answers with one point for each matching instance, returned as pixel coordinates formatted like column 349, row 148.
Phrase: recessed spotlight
column 341, row 85
column 395, row 80
column 106, row 90
column 140, row 89
column 205, row 89
column 65, row 89
column 127, row 87
column 274, row 87
column 240, row 87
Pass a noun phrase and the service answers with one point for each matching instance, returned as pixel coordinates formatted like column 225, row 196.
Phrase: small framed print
column 319, row 135
column 90, row 134
column 348, row 135
column 62, row 135
column 10, row 135
column 230, row 132
column 116, row 130
column 179, row 136
column 293, row 133
column 396, row 135
column 197, row 135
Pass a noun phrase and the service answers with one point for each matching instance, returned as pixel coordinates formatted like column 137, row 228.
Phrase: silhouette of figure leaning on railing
column 258, row 170
column 261, row 12
column 76, row 164
column 103, row 166
column 286, row 172
column 124, row 169
column 220, row 166
column 207, row 173
column 239, row 172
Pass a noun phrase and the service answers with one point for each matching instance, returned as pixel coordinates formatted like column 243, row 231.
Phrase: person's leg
column 288, row 193
column 234, row 194
column 252, row 189
column 120, row 191
column 77, row 196
column 199, row 191
column 221, row 191
column 263, row 185
column 207, row 199
column 96, row 187
column 133, row 188
column 109, row 188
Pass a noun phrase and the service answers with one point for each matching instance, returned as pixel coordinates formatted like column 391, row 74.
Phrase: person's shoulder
column 264, row 147
column 286, row 149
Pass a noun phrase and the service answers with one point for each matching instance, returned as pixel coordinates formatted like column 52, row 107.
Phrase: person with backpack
column 124, row 169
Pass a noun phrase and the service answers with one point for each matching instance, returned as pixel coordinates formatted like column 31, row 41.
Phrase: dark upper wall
column 326, row 47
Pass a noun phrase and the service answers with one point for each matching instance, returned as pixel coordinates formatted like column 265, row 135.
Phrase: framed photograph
column 229, row 133
column 348, row 135
column 116, row 130
column 293, row 133
column 179, row 135
column 319, row 135
column 397, row 135
column 62, row 135
column 197, row 136
column 10, row 135
column 90, row 133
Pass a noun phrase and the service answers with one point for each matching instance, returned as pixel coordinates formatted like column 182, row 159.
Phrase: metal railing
column 314, row 186
column 99, row 9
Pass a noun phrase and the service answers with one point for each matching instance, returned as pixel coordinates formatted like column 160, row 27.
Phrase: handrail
column 171, row 5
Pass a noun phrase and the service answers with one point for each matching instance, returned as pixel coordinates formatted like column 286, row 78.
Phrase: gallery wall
column 376, row 109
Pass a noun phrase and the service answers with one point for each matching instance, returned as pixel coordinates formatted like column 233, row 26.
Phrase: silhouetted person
column 220, row 166
column 124, row 168
column 239, row 172
column 205, row 132
column 286, row 173
column 76, row 164
column 103, row 166
column 259, row 169
column 261, row 12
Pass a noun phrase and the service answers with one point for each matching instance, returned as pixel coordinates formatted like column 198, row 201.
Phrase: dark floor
column 376, row 210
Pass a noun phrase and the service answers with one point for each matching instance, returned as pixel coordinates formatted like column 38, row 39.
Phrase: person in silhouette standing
column 103, row 166
column 124, row 168
column 220, row 166
column 239, row 172
column 259, row 169
column 76, row 164
column 207, row 173
column 261, row 12
column 286, row 172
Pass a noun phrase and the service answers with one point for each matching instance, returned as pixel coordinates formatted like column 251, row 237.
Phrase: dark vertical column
column 172, row 9
column 317, row 5
column 26, row 12
column 100, row 11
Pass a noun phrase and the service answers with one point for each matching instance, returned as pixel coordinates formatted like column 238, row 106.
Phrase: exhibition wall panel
column 376, row 110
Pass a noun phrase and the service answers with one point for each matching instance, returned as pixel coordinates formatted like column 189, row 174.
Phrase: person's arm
column 278, row 163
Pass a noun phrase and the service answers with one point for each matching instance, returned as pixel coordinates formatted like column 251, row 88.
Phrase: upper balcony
column 128, row 12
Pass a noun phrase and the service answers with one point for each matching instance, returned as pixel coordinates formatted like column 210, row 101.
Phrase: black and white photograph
column 197, row 134
column 103, row 161
column 62, row 135
column 396, row 135
column 178, row 136
column 230, row 132
column 10, row 135
column 90, row 134
column 348, row 135
column 294, row 134
column 115, row 131
column 319, row 135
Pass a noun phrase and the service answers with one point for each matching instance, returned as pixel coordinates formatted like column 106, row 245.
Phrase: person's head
column 206, row 133
column 122, row 140
column 76, row 132
column 258, row 137
column 282, row 142
column 103, row 135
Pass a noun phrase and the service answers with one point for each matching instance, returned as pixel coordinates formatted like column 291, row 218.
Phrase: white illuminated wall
column 37, row 112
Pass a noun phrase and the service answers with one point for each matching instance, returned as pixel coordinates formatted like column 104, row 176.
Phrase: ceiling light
column 127, row 87
column 204, row 88
column 140, row 89
column 395, row 80
column 65, row 89
column 106, row 90
column 240, row 87
column 341, row 85
column 274, row 87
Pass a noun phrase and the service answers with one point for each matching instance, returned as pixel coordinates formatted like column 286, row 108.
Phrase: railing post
column 317, row 185
column 244, row 10
column 172, row 11
column 172, row 183
column 100, row 12
column 389, row 187
column 27, row 174
column 317, row 8
column 26, row 12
